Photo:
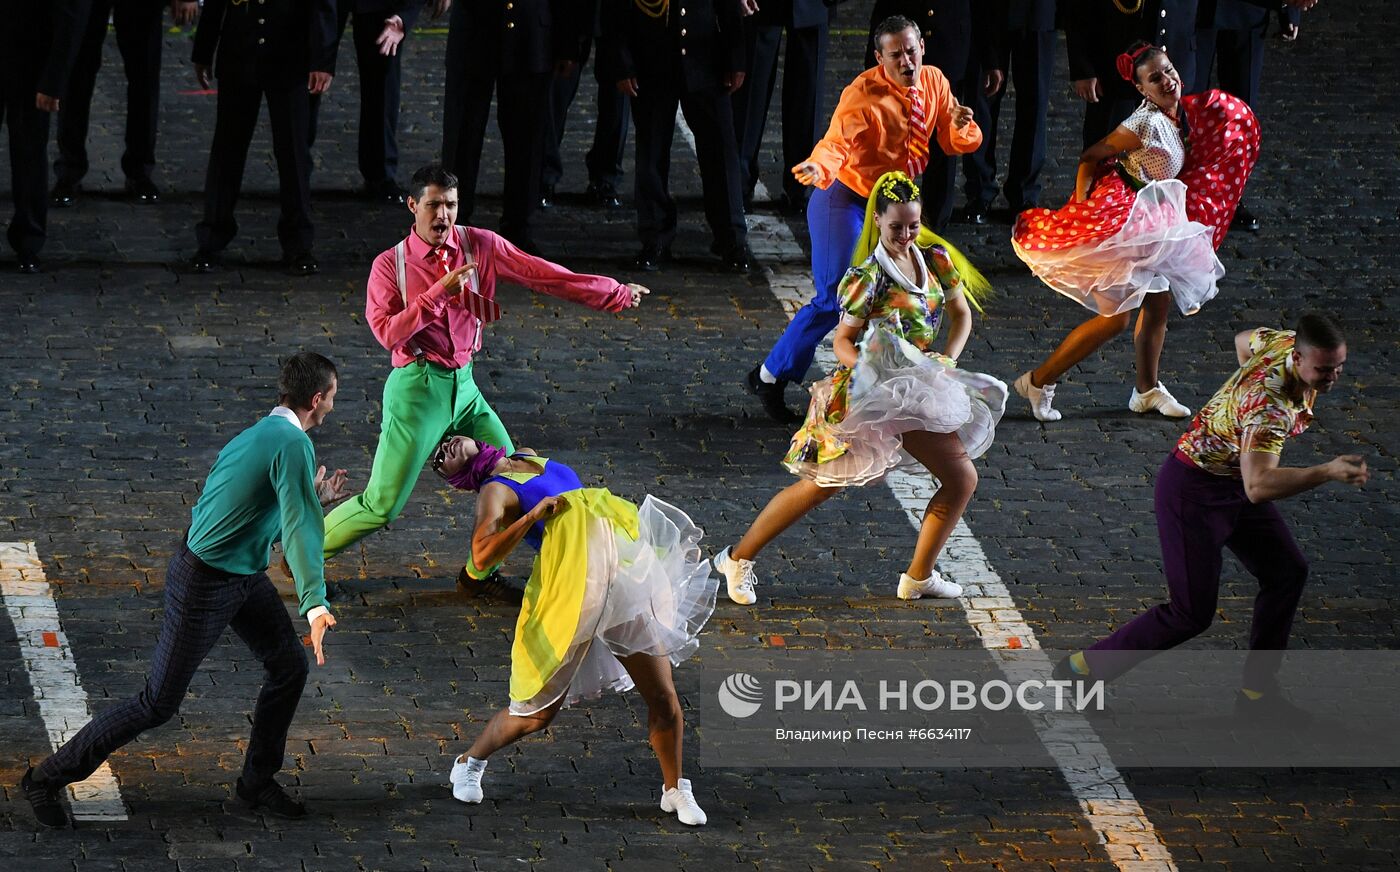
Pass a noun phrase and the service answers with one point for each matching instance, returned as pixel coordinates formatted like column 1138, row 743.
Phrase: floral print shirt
column 1257, row 398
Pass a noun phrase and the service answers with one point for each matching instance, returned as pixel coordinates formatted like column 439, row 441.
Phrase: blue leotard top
column 556, row 479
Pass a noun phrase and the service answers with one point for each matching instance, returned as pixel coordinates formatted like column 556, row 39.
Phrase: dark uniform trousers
column 139, row 36
column 808, row 25
column 1096, row 32
column 1230, row 36
column 947, row 28
column 36, row 51
column 381, row 81
column 264, row 51
column 200, row 601
column 680, row 60
column 604, row 159
column 508, row 52
column 1024, row 34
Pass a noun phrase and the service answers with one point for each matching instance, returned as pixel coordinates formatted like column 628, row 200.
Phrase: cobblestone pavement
column 126, row 374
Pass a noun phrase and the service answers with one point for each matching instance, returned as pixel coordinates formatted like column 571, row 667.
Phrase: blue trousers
column 834, row 220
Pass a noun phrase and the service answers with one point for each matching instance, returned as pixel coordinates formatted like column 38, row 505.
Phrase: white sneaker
column 739, row 575
column 1040, row 398
column 466, row 780
column 934, row 585
column 1158, row 398
column 680, row 800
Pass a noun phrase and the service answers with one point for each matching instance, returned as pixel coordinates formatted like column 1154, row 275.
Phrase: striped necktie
column 919, row 131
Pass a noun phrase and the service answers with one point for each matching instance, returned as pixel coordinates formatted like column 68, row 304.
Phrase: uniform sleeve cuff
column 315, row 613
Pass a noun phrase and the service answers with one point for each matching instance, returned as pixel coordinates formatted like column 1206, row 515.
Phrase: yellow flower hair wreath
column 975, row 285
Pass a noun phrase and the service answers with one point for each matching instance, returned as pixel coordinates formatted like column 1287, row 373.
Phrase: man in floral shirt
column 1218, row 488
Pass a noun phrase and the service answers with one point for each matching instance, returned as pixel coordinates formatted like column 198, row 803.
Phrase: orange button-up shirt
column 869, row 133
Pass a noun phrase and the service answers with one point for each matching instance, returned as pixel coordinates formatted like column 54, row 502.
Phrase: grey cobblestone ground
column 127, row 373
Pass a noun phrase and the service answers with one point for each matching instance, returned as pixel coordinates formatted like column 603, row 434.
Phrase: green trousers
column 423, row 402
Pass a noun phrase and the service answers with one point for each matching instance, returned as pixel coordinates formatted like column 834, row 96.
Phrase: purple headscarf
column 472, row 476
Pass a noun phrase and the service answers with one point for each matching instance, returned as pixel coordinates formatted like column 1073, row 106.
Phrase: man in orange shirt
column 883, row 123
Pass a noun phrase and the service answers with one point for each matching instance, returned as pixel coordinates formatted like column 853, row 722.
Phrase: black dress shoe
column 29, row 264
column 771, row 396
column 737, row 257
column 604, row 195
column 651, row 258
column 493, row 587
column 64, row 194
column 546, row 196
column 303, row 264
column 204, row 261
column 143, row 191
column 1245, row 220
column 271, row 797
column 45, row 799
column 386, row 190
column 975, row 213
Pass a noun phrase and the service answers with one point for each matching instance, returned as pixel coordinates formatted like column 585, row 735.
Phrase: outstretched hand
column 807, row 172
column 330, row 490
column 638, row 291
column 318, row 636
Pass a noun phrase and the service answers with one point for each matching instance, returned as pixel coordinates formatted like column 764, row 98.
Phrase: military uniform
column 36, row 53
column 505, row 47
column 1023, row 34
column 681, row 58
column 807, row 23
column 1098, row 31
column 139, row 37
column 381, row 79
column 604, row 159
column 262, row 48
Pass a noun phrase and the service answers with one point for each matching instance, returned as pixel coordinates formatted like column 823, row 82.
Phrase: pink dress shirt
column 438, row 324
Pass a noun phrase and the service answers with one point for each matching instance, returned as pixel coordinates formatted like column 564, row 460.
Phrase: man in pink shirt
column 425, row 305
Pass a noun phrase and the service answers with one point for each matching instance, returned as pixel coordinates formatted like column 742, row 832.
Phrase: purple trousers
column 1198, row 515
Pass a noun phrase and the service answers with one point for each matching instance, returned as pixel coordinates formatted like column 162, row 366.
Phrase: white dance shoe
column 466, row 780
column 1158, row 399
column 1040, row 398
column 740, row 577
column 680, row 801
column 911, row 588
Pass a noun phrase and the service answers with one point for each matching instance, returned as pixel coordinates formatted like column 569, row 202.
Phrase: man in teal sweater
column 264, row 485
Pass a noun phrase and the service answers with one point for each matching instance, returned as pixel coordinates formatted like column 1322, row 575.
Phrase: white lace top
column 1162, row 153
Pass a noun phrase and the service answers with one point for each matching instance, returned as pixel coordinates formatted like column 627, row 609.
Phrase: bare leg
column 943, row 455
column 1148, row 338
column 665, row 722
column 1081, row 342
column 505, row 728
column 782, row 511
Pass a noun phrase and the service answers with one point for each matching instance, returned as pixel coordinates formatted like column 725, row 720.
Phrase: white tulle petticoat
column 893, row 389
column 1158, row 249
column 649, row 596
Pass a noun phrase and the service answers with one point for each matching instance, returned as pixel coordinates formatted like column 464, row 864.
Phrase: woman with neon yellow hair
column 894, row 400
column 618, row 595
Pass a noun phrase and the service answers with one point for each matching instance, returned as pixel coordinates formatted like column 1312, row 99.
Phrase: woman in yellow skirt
column 617, row 596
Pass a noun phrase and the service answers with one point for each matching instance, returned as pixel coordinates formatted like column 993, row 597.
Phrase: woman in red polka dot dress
column 1152, row 202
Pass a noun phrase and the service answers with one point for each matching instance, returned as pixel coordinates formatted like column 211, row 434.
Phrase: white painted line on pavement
column 63, row 704
column 1128, row 837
